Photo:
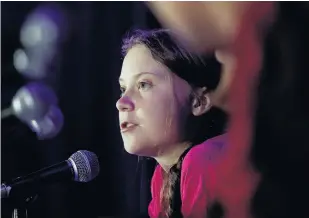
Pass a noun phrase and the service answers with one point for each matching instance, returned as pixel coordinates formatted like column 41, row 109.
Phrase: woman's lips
column 127, row 126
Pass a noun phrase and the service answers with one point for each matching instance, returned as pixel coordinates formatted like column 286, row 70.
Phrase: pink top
column 197, row 182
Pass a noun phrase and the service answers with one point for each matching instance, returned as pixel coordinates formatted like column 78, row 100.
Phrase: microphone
column 82, row 166
column 50, row 125
column 42, row 34
column 31, row 102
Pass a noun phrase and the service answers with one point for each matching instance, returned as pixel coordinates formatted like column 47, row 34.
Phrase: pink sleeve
column 153, row 208
column 194, row 185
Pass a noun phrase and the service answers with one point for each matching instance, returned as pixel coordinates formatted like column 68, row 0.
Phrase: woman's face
column 152, row 104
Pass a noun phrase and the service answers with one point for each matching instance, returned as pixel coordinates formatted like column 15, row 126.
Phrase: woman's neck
column 170, row 157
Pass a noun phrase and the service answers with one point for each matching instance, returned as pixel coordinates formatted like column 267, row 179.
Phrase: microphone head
column 85, row 164
column 46, row 26
column 32, row 102
column 50, row 125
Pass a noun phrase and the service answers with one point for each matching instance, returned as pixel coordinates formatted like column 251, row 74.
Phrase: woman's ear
column 201, row 102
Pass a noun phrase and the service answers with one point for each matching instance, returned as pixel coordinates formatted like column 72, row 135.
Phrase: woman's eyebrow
column 138, row 75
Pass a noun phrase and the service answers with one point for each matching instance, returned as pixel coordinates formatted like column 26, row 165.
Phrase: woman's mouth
column 127, row 126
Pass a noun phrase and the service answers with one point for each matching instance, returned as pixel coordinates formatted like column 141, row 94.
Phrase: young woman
column 166, row 113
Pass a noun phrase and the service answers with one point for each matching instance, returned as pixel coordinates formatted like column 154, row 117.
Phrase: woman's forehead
column 138, row 60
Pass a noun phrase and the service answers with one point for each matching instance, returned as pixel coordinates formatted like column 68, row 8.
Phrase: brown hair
column 199, row 72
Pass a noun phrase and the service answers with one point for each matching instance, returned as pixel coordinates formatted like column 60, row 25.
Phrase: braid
column 171, row 181
column 170, row 191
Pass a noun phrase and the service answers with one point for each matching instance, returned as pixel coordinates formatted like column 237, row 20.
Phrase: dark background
column 85, row 78
column 86, row 84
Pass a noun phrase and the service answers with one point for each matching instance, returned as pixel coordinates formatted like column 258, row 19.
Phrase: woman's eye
column 144, row 85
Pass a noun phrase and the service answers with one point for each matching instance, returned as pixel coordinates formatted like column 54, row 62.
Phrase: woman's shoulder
column 208, row 151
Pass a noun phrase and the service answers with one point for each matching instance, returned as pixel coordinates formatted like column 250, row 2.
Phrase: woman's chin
column 136, row 150
column 131, row 149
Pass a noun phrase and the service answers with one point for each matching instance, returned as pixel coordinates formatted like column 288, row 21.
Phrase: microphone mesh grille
column 87, row 165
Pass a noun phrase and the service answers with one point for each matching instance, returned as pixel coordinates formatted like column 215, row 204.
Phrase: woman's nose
column 125, row 104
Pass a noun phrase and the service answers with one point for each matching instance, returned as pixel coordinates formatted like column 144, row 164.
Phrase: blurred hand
column 219, row 96
column 205, row 26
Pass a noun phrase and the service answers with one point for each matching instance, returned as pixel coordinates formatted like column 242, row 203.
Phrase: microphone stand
column 20, row 208
column 19, row 213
